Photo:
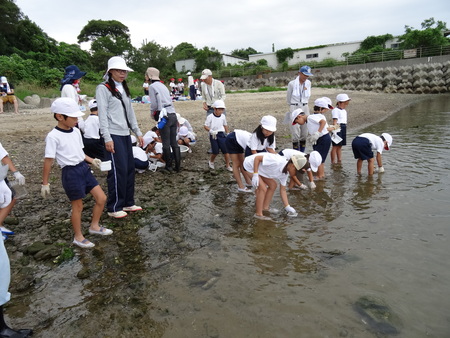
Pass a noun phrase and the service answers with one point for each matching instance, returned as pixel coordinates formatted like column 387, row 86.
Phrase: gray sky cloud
column 229, row 25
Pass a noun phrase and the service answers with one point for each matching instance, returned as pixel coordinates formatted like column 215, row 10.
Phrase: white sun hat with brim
column 117, row 62
column 147, row 141
column 299, row 161
column 388, row 138
column 66, row 106
column 342, row 98
column 219, row 104
column 315, row 160
column 295, row 113
column 269, row 123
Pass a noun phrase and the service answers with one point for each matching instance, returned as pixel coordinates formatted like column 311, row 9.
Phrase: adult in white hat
column 212, row 90
column 267, row 170
column 339, row 115
column 363, row 147
column 7, row 95
column 263, row 137
column 117, row 118
column 298, row 94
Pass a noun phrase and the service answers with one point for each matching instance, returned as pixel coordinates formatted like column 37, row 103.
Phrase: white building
column 333, row 51
column 189, row 64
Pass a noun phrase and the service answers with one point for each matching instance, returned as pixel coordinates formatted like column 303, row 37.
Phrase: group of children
column 255, row 160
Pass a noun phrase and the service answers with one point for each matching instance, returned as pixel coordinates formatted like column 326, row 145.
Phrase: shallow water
column 383, row 238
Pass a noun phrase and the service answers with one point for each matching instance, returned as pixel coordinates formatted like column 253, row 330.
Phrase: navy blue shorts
column 218, row 143
column 323, row 146
column 362, row 148
column 248, row 151
column 343, row 135
column 78, row 181
column 233, row 146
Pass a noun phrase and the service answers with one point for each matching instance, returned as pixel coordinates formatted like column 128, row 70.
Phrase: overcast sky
column 229, row 25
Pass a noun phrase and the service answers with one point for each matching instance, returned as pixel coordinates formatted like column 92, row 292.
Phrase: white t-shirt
column 92, row 127
column 314, row 124
column 271, row 166
column 158, row 149
column 139, row 153
column 189, row 135
column 288, row 153
column 3, row 152
column 375, row 141
column 66, row 146
column 340, row 115
column 242, row 137
column 216, row 123
column 254, row 143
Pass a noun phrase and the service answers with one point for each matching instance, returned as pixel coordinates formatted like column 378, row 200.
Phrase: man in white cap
column 212, row 90
column 7, row 95
column 298, row 94
column 191, row 86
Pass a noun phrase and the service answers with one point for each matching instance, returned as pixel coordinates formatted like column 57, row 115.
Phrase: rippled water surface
column 366, row 257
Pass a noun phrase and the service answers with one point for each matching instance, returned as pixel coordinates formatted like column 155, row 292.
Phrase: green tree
column 284, row 54
column 431, row 35
column 244, row 53
column 10, row 15
column 109, row 38
column 184, row 51
column 208, row 58
column 151, row 54
column 373, row 44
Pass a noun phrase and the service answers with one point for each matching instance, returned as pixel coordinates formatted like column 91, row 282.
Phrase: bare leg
column 4, row 212
column 236, row 170
column 339, row 154
column 77, row 208
column 370, row 165
column 260, row 197
column 321, row 171
column 97, row 210
column 359, row 166
column 16, row 106
column 271, row 187
column 333, row 154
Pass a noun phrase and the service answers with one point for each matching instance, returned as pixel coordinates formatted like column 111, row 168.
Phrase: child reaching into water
column 267, row 169
column 314, row 161
column 236, row 142
column 263, row 137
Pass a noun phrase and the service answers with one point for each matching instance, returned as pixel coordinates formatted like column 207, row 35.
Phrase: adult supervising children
column 363, row 147
column 161, row 107
column 266, row 170
column 339, row 115
column 212, row 90
column 298, row 94
column 117, row 118
column 64, row 144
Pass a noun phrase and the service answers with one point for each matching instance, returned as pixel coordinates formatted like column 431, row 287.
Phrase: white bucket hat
column 315, row 160
column 269, row 123
column 66, row 106
column 299, row 161
column 117, row 62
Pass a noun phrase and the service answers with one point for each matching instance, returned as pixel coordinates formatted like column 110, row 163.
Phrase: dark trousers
column 169, row 136
column 192, row 92
column 121, row 176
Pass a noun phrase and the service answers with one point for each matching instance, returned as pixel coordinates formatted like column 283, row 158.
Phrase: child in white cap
column 64, row 144
column 140, row 156
column 314, row 161
column 263, row 137
column 363, row 147
column 185, row 137
column 216, row 125
column 94, row 145
column 267, row 169
column 339, row 115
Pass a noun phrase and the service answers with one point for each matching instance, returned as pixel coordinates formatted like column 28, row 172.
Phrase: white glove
column 45, row 190
column 255, row 180
column 312, row 185
column 5, row 194
column 19, row 178
column 213, row 134
column 380, row 170
column 290, row 210
column 314, row 137
column 96, row 163
column 303, row 187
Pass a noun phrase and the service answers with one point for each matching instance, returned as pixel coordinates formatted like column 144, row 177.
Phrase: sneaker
column 103, row 231
column 85, row 243
column 132, row 208
column 6, row 231
column 211, row 165
column 140, row 171
column 262, row 218
column 189, row 150
column 229, row 169
column 117, row 214
column 245, row 189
